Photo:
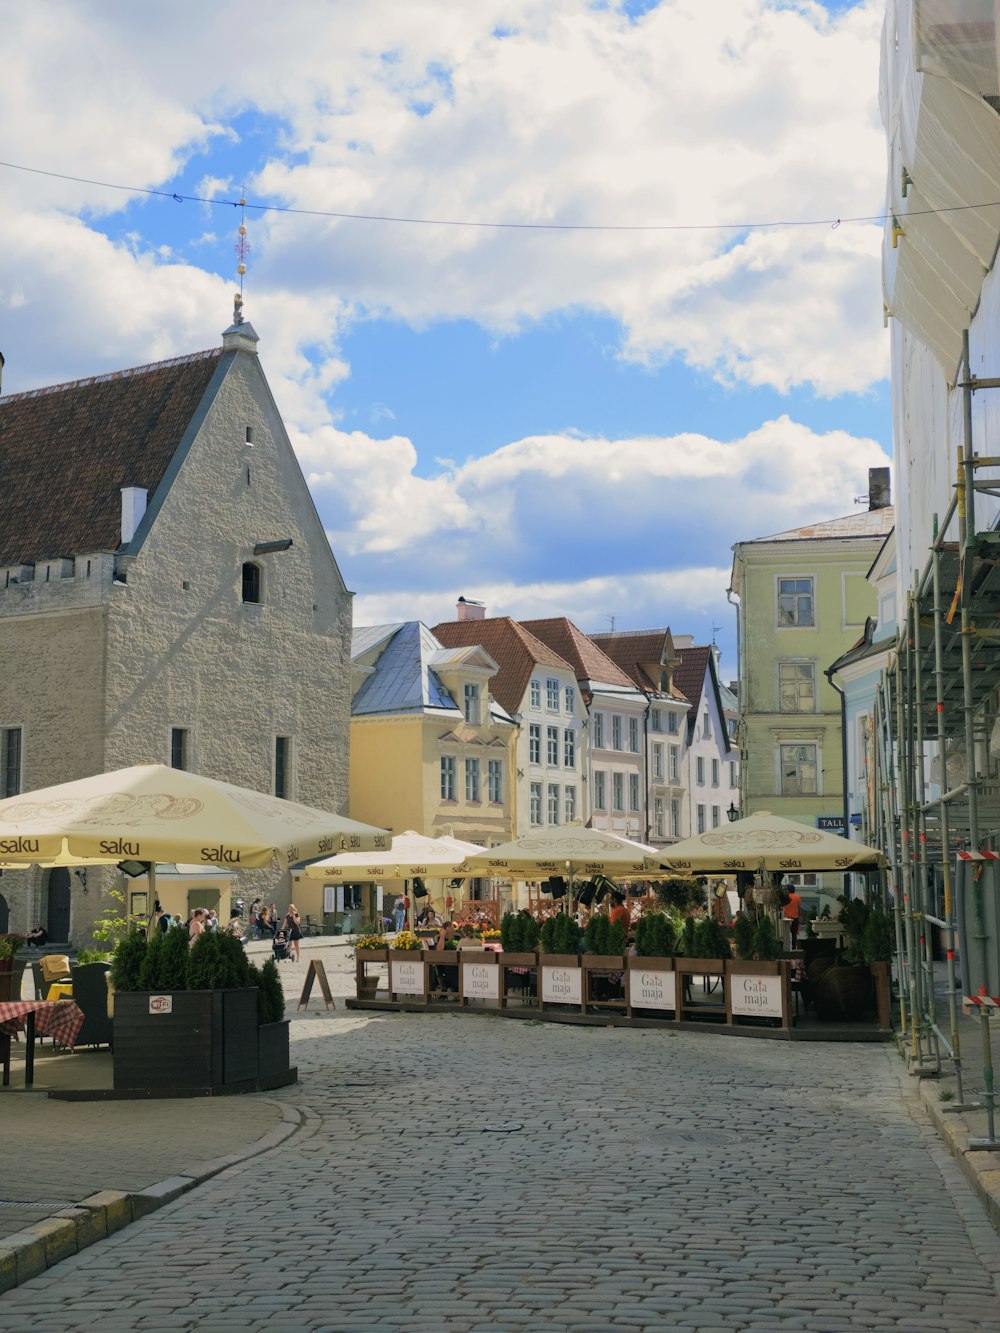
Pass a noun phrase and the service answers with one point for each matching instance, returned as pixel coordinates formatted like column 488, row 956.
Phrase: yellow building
column 431, row 751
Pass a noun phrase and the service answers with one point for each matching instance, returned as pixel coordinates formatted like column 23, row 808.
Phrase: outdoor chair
column 90, row 993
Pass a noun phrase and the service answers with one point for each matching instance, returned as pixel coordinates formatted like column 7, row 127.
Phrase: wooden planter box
column 560, row 979
column 687, row 969
column 759, row 990
column 651, row 986
column 183, row 1040
column 418, row 974
column 374, row 955
column 272, row 1051
column 479, row 976
column 520, row 982
column 595, row 963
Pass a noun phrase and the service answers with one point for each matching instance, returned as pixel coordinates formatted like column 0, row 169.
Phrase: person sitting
column 265, row 924
column 37, row 937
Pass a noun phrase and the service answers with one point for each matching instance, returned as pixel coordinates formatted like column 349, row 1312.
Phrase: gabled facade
column 616, row 710
column 710, row 757
column 167, row 594
column 431, row 747
column 539, row 689
column 650, row 659
column 803, row 600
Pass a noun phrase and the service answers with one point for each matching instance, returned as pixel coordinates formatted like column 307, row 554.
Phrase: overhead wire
column 218, row 201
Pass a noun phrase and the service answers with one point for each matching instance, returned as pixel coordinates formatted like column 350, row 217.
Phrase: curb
column 981, row 1167
column 27, row 1253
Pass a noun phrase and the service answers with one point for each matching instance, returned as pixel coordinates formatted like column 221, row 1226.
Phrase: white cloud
column 737, row 111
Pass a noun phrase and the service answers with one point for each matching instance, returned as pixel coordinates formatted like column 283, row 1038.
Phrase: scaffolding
column 935, row 807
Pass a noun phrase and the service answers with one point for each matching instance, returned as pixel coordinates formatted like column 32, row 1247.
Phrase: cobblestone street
column 462, row 1175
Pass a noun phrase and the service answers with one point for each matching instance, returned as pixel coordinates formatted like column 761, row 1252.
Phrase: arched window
column 251, row 582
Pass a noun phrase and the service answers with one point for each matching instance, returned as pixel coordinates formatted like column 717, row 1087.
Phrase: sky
column 673, row 342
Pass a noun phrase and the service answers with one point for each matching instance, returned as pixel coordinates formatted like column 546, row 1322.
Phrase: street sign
column 831, row 824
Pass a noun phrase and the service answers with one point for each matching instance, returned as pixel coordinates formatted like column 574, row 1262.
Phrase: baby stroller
column 279, row 948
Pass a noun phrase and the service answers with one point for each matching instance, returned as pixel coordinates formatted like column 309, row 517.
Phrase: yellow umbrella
column 767, row 841
column 409, row 854
column 153, row 813
column 567, row 849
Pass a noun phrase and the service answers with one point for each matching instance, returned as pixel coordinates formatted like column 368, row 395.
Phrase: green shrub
column 710, row 939
column 530, row 930
column 216, row 961
column 617, row 939
column 173, row 960
column 854, row 918
column 84, row 956
column 766, row 944
column 548, row 934
column 744, row 937
column 687, row 938
column 655, row 936
column 595, row 937
column 270, row 994
column 510, row 931
column 878, row 941
column 149, row 970
column 126, row 961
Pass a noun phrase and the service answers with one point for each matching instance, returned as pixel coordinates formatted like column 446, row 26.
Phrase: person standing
column 399, row 911
column 792, row 912
column 293, row 929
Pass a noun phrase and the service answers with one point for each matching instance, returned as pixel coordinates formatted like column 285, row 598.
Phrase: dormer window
column 251, row 582
column 471, row 698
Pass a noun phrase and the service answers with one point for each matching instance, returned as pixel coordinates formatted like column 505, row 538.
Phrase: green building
column 802, row 601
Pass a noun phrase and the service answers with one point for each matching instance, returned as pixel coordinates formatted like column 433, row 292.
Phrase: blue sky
column 557, row 422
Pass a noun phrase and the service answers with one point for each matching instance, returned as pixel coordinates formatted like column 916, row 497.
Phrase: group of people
column 263, row 922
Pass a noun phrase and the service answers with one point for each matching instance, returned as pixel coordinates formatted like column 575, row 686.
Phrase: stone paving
column 481, row 1176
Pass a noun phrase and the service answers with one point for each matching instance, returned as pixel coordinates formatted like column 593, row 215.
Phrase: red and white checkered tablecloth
column 61, row 1020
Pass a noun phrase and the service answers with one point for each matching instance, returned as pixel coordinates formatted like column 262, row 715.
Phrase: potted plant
column 604, row 943
column 272, row 1025
column 559, row 964
column 651, row 975
column 9, row 945
column 185, row 1017
column 843, row 990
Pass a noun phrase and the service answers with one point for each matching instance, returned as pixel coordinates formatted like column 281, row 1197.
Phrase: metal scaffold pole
column 905, row 865
column 948, row 924
column 921, row 886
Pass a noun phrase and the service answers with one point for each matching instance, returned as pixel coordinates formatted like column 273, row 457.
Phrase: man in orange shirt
column 621, row 913
column 792, row 912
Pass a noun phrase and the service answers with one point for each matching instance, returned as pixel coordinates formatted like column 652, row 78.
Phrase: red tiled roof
column 689, row 677
column 634, row 648
column 66, row 451
column 587, row 660
column 515, row 651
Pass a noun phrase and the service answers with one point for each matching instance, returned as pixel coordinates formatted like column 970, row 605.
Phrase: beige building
column 167, row 594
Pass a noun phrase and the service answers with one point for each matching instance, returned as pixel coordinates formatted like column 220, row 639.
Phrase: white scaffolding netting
column 940, row 95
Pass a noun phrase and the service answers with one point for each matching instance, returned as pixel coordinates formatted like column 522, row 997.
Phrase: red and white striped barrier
column 981, row 1001
column 979, row 856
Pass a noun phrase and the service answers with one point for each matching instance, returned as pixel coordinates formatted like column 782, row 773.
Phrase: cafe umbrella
column 152, row 813
column 766, row 842
column 409, row 855
column 566, row 851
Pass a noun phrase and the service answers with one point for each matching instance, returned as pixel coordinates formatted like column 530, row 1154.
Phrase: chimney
column 133, row 508
column 469, row 610
column 878, row 488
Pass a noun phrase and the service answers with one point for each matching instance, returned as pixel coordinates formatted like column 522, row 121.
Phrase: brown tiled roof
column 586, row 659
column 515, row 651
column 631, row 649
column 66, row 451
column 689, row 677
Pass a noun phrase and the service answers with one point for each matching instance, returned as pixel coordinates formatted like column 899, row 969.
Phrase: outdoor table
column 61, row 1020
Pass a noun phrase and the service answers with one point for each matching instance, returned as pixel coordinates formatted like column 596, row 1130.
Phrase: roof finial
column 242, row 248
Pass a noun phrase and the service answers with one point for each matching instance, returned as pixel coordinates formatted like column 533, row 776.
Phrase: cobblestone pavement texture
column 462, row 1176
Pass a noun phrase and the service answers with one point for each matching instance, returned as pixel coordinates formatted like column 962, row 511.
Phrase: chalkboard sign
column 316, row 972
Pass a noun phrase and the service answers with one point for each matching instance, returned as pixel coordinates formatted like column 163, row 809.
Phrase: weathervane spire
column 242, row 248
